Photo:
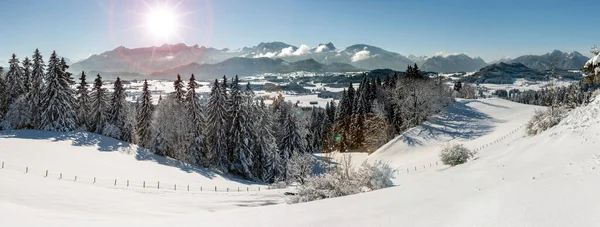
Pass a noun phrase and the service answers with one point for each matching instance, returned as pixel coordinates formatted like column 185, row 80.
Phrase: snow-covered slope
column 547, row 180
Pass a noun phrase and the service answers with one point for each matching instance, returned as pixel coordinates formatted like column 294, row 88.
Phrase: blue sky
column 490, row 29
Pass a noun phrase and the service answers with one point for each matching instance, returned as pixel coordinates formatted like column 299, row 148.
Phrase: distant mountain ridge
column 562, row 60
column 171, row 58
column 251, row 66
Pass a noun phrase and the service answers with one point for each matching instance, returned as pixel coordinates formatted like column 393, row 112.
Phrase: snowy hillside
column 547, row 180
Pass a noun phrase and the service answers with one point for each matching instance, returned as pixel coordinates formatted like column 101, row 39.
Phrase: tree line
column 233, row 131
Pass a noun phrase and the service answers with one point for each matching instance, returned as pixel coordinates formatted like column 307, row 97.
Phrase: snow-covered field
column 551, row 179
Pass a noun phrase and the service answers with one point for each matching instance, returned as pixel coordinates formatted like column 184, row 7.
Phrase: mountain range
column 278, row 57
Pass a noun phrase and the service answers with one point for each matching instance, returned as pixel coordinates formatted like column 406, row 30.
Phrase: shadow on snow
column 107, row 144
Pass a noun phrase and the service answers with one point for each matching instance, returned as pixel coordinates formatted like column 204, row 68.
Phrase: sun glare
column 161, row 22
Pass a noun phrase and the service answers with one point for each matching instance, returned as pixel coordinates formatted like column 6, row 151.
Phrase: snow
column 550, row 179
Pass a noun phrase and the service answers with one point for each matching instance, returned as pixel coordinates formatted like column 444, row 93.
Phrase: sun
column 161, row 22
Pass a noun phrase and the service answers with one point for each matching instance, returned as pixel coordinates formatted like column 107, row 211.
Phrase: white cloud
column 266, row 55
column 321, row 48
column 361, row 55
column 289, row 51
column 443, row 54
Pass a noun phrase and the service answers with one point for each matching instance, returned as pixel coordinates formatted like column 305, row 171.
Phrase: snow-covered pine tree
column 217, row 131
column 291, row 142
column 197, row 149
column 118, row 111
column 179, row 93
column 83, row 103
column 3, row 107
column 14, row 81
column 145, row 112
column 272, row 169
column 57, row 104
column 26, row 74
column 315, row 129
column 37, row 88
column 240, row 147
column 99, row 106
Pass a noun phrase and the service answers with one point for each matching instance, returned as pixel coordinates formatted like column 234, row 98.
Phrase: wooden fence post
column 46, row 173
column 75, row 178
column 60, row 176
column 2, row 165
column 158, row 185
column 188, row 187
column 26, row 169
column 215, row 188
column 259, row 189
column 115, row 182
column 175, row 187
column 144, row 184
column 94, row 180
column 127, row 183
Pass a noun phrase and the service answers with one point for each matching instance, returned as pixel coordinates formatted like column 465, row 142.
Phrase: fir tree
column 197, row 150
column 99, row 106
column 57, row 104
column 3, row 107
column 83, row 103
column 292, row 142
column 26, row 75
column 272, row 169
column 145, row 113
column 118, row 114
column 217, row 127
column 240, row 150
column 37, row 88
column 14, row 81
column 179, row 93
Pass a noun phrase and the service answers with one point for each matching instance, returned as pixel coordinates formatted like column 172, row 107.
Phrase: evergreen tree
column 99, row 106
column 14, row 81
column 118, row 114
column 145, row 112
column 217, row 127
column 197, row 150
column 240, row 147
column 363, row 104
column 83, row 103
column 26, row 75
column 57, row 104
column 37, row 88
column 179, row 92
column 272, row 169
column 351, row 95
column 3, row 107
column 292, row 142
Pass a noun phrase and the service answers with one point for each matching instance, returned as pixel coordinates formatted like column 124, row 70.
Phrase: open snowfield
column 551, row 179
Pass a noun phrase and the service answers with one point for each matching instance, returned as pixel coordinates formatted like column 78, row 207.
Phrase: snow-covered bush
column 299, row 167
column 456, row 154
column 544, row 119
column 345, row 180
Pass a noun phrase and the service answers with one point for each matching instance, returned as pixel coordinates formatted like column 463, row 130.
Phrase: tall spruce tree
column 99, row 106
column 57, row 104
column 217, row 127
column 83, row 103
column 37, row 88
column 118, row 114
column 26, row 75
column 240, row 147
column 197, row 149
column 292, row 141
column 179, row 93
column 272, row 169
column 14, row 81
column 3, row 107
column 145, row 112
